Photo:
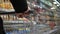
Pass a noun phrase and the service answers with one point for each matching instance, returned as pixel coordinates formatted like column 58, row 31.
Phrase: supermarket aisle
column 42, row 12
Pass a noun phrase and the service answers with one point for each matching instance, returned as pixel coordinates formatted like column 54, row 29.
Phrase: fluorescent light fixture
column 57, row 5
column 54, row 0
column 57, row 2
column 54, row 3
column 53, row 8
column 34, row 5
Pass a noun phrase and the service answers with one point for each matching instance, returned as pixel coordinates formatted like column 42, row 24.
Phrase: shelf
column 7, row 10
column 13, row 21
column 19, row 22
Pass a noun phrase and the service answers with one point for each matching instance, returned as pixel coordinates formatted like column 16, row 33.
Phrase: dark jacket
column 1, row 26
column 20, row 6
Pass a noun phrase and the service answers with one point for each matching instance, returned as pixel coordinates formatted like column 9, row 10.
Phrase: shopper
column 1, row 26
column 20, row 7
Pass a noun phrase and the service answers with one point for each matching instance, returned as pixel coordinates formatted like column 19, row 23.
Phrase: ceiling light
column 57, row 5
column 54, row 0
column 54, row 3
column 34, row 5
column 53, row 8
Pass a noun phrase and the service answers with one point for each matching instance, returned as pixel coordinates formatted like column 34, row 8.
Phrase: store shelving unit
column 46, row 13
column 13, row 24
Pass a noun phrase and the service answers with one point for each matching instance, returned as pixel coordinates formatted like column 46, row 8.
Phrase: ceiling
column 58, row 1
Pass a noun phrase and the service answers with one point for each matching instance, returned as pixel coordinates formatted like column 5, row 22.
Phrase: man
column 20, row 7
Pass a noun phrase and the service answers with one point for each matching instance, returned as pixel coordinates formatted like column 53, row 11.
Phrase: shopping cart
column 17, row 28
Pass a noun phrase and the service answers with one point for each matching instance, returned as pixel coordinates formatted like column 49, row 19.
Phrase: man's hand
column 21, row 15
